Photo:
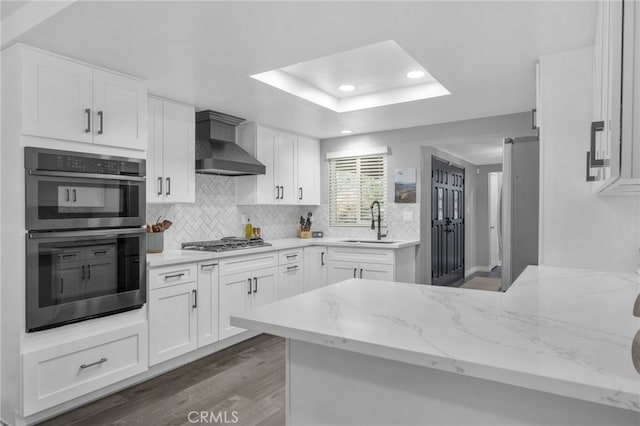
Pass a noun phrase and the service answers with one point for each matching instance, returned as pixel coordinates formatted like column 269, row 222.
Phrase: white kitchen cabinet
column 171, row 152
column 290, row 280
column 375, row 264
column 246, row 282
column 308, row 171
column 65, row 371
column 292, row 167
column 173, row 321
column 70, row 100
column 316, row 269
column 207, row 303
column 614, row 146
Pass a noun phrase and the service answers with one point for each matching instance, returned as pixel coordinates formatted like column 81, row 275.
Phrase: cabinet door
column 375, row 271
column 315, row 268
column 120, row 110
column 340, row 271
column 154, row 151
column 56, row 97
column 207, row 303
column 308, row 173
column 264, row 287
column 286, row 168
column 266, row 191
column 178, row 128
column 235, row 290
column 290, row 280
column 172, row 322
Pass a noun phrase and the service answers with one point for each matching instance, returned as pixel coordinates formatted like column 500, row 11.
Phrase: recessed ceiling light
column 415, row 74
column 346, row 131
column 347, row 87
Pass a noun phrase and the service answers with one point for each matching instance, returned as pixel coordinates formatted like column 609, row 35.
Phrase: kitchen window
column 354, row 183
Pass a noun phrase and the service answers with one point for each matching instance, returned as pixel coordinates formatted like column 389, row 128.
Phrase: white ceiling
column 7, row 7
column 205, row 52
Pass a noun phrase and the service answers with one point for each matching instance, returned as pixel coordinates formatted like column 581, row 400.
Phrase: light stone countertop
column 558, row 330
column 174, row 257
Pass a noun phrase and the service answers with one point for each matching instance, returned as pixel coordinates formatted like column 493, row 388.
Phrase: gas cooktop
column 225, row 244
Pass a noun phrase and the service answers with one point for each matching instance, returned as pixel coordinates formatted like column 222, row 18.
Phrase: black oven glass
column 75, row 277
column 64, row 199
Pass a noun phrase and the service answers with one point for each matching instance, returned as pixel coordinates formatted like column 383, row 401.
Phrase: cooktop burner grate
column 225, row 244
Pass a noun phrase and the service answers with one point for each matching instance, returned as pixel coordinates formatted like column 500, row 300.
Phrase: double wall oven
column 85, row 239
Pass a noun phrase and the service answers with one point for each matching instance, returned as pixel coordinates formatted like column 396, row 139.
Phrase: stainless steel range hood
column 216, row 150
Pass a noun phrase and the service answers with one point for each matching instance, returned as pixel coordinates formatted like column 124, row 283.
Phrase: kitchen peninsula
column 554, row 349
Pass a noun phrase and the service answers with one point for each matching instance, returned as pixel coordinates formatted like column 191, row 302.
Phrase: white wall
column 578, row 227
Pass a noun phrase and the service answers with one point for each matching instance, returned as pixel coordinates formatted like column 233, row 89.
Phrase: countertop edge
column 548, row 384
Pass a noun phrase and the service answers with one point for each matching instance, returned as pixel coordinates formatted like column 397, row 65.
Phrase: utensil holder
column 155, row 242
column 304, row 234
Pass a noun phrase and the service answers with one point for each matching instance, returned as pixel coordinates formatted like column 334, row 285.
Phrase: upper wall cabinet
column 171, row 155
column 66, row 99
column 613, row 159
column 292, row 167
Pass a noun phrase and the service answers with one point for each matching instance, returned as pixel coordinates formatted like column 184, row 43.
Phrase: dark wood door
column 447, row 222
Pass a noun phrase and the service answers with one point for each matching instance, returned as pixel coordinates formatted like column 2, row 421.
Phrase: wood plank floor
column 248, row 378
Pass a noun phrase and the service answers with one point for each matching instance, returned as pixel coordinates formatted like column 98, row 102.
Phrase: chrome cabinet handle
column 360, row 272
column 75, row 198
column 322, row 258
column 67, row 193
column 354, row 272
column 88, row 112
column 289, row 268
column 249, row 280
column 194, row 292
column 160, row 185
column 168, row 186
column 534, row 119
column 100, row 116
column 282, row 193
column 174, row 276
column 289, row 256
column 596, row 126
column 300, row 192
column 277, row 192
column 100, row 361
column 255, row 285
column 210, row 265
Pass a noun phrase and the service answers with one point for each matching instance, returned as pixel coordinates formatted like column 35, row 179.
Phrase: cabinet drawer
column 172, row 275
column 248, row 263
column 290, row 256
column 349, row 254
column 61, row 373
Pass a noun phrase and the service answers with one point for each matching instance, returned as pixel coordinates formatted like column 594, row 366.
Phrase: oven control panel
column 64, row 161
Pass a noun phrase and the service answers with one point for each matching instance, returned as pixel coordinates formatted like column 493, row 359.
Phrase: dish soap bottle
column 248, row 230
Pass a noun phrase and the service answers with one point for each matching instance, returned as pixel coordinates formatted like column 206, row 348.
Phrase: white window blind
column 354, row 183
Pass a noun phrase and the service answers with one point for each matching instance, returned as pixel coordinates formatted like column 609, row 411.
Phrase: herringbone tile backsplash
column 215, row 215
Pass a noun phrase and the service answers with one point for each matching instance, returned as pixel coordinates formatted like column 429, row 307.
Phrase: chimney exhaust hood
column 216, row 150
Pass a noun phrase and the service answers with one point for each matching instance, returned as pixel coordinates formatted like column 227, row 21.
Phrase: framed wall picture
column 405, row 185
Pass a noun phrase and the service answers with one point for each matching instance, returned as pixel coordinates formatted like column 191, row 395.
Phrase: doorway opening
column 495, row 237
column 447, row 222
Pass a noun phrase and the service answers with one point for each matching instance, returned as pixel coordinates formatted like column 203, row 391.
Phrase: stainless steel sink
column 369, row 241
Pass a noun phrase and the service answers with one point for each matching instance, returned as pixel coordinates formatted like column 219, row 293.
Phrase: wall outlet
column 407, row 216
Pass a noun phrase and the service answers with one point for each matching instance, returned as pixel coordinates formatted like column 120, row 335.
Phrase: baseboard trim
column 475, row 269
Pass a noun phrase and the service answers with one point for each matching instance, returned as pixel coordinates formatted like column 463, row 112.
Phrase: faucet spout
column 380, row 234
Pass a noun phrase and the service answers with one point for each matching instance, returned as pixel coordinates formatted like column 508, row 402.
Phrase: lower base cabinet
column 244, row 291
column 290, row 280
column 63, row 372
column 316, row 268
column 173, row 322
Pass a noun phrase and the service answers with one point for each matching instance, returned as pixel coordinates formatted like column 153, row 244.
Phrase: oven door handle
column 86, row 233
column 85, row 175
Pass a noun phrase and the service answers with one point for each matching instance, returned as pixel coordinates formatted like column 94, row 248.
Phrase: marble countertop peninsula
column 559, row 330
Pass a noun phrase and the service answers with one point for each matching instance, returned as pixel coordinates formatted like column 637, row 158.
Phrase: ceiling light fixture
column 347, row 87
column 415, row 74
column 346, row 131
